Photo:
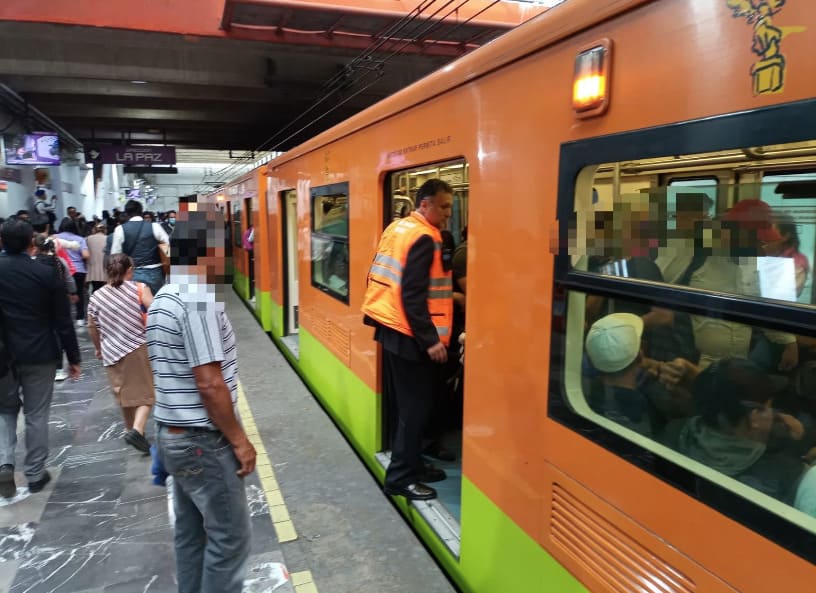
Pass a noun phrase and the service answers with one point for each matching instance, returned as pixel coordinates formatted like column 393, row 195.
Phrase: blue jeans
column 153, row 277
column 213, row 531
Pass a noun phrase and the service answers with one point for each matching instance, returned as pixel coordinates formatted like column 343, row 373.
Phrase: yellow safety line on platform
column 277, row 507
column 303, row 582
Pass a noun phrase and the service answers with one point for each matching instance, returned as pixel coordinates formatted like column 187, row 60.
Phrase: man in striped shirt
column 200, row 440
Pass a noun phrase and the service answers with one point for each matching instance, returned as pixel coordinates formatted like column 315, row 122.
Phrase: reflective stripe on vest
column 383, row 297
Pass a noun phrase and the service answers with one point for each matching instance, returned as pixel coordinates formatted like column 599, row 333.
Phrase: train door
column 290, row 267
column 443, row 441
column 249, row 247
column 235, row 207
column 224, row 207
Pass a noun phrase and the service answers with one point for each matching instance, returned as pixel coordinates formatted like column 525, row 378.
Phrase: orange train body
column 507, row 110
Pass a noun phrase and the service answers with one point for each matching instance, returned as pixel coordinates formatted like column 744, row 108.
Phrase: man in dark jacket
column 35, row 312
column 409, row 302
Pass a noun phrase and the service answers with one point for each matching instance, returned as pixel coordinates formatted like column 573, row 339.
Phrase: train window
column 730, row 402
column 237, row 233
column 708, row 221
column 330, row 240
column 401, row 189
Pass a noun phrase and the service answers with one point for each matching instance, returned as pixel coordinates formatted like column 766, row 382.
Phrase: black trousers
column 412, row 387
column 79, row 278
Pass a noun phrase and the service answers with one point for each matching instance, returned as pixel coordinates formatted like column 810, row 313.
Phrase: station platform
column 320, row 521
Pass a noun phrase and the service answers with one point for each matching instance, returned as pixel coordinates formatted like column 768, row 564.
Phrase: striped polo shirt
column 187, row 328
column 117, row 315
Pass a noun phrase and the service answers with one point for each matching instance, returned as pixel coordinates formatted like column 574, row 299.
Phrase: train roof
column 548, row 28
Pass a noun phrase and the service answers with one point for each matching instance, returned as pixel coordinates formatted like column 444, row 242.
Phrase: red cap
column 756, row 215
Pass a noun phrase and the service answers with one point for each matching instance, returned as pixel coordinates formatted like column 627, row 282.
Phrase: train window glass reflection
column 733, row 417
column 330, row 240
column 793, row 196
column 726, row 221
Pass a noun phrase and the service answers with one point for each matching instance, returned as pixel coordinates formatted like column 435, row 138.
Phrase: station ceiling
column 229, row 74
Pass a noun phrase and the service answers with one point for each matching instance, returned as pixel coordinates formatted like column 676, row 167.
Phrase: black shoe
column 432, row 474
column 37, row 486
column 415, row 491
column 137, row 440
column 439, row 452
column 7, row 486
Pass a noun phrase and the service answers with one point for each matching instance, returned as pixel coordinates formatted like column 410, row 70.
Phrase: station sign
column 131, row 155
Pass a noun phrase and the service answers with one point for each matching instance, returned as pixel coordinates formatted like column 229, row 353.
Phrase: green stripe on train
column 496, row 554
column 271, row 314
column 241, row 285
column 349, row 401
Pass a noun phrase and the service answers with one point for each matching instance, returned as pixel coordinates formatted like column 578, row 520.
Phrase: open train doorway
column 248, row 243
column 289, row 227
column 442, row 442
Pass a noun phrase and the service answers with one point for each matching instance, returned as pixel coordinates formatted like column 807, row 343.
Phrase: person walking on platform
column 35, row 312
column 141, row 240
column 409, row 302
column 200, row 440
column 97, row 261
column 116, row 324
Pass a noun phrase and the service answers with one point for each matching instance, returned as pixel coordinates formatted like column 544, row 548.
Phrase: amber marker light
column 590, row 89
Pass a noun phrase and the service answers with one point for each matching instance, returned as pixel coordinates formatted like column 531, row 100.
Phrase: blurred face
column 200, row 247
column 437, row 209
column 761, row 422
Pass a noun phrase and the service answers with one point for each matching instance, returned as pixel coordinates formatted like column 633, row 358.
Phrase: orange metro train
column 585, row 109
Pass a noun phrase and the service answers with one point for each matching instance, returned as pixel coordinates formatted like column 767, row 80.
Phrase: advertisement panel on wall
column 37, row 148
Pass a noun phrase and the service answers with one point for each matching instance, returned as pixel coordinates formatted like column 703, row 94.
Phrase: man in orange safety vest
column 409, row 302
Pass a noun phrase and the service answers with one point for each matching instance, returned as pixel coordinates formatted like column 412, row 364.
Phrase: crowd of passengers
column 733, row 397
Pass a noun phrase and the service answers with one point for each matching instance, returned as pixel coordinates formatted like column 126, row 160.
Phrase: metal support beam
column 22, row 107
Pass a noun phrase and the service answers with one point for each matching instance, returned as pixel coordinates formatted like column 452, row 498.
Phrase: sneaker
column 7, row 486
column 137, row 440
column 38, row 485
column 61, row 375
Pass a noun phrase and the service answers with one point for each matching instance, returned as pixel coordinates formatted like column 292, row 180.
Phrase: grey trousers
column 35, row 383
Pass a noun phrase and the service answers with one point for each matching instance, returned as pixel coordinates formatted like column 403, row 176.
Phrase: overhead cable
column 345, row 79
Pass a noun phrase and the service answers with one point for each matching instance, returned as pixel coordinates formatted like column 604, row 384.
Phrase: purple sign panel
column 131, row 155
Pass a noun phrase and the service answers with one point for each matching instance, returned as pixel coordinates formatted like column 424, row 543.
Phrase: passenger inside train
column 707, row 392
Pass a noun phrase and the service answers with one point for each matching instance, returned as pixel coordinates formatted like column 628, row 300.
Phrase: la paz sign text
column 132, row 155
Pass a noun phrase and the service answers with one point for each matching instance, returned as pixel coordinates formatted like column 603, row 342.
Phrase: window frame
column 315, row 193
column 772, row 125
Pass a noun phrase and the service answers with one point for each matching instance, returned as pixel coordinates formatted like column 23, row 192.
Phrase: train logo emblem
column 769, row 71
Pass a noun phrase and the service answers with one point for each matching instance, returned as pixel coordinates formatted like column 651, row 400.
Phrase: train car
column 600, row 139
